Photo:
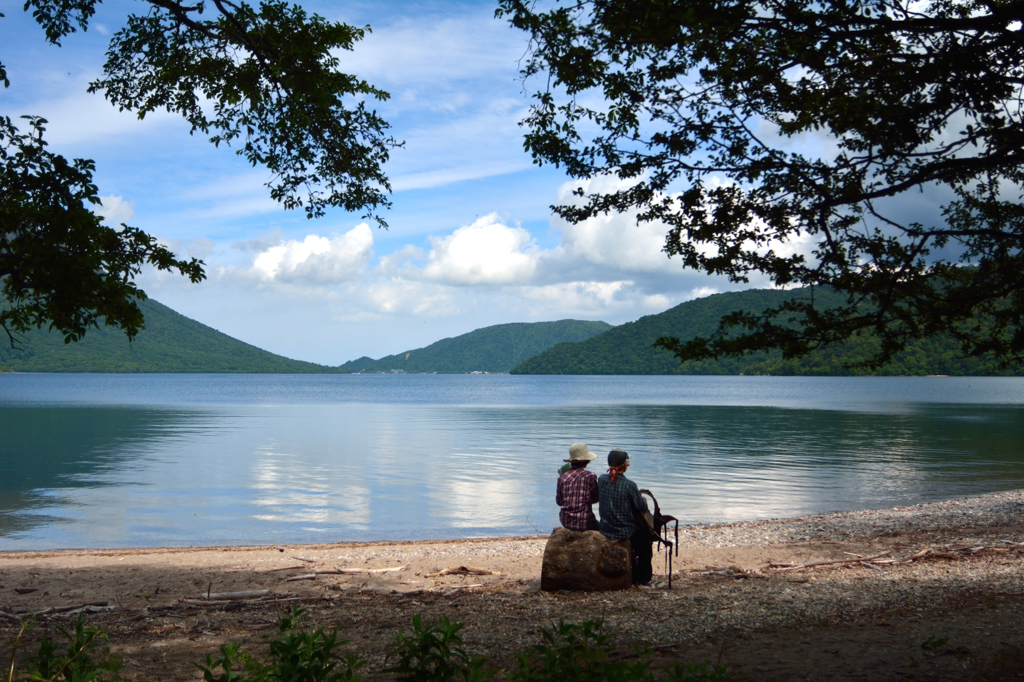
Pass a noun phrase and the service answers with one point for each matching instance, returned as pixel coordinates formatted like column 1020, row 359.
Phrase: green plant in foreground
column 582, row 652
column 430, row 653
column 578, row 652
column 82, row 659
column 434, row 653
column 303, row 656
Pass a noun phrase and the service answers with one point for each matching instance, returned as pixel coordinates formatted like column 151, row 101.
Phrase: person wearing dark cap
column 620, row 502
column 577, row 491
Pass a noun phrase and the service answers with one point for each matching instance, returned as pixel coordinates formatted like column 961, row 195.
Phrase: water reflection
column 43, row 451
column 255, row 473
column 308, row 488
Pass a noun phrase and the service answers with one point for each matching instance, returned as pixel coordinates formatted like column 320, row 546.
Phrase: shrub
column 304, row 656
column 434, row 653
column 82, row 659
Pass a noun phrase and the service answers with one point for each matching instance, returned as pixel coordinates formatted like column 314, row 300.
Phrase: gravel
column 952, row 517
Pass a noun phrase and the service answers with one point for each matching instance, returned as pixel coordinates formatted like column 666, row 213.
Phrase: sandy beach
column 837, row 596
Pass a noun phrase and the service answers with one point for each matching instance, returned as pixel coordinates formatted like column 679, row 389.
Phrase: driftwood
column 247, row 594
column 308, row 561
column 286, row 568
column 265, row 598
column 462, row 570
column 91, row 607
column 360, row 571
column 800, row 567
column 948, row 552
column 306, row 576
column 344, row 571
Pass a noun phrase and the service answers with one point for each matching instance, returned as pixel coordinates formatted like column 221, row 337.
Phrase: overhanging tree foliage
column 785, row 138
column 263, row 79
column 60, row 266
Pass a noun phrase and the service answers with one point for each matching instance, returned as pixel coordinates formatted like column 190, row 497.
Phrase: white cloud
column 420, row 299
column 488, row 252
column 115, row 210
column 316, row 259
column 447, row 176
column 82, row 118
column 422, row 51
column 579, row 295
column 615, row 239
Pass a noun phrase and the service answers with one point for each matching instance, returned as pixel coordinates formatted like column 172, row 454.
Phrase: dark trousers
column 643, row 552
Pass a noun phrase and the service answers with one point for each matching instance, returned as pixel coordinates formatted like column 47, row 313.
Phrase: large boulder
column 586, row 561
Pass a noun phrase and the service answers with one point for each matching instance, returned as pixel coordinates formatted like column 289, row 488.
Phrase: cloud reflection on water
column 88, row 476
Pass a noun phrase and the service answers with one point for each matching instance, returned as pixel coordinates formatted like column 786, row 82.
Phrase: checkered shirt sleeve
column 577, row 491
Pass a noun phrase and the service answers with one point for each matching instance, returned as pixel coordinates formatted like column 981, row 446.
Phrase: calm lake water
column 169, row 460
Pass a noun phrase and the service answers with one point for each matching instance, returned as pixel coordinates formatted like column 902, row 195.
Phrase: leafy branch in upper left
column 264, row 79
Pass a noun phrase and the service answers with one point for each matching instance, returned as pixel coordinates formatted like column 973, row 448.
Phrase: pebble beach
column 906, row 565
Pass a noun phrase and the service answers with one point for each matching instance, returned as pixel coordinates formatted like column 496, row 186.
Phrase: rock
column 587, row 562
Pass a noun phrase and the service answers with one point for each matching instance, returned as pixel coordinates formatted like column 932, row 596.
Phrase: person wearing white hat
column 577, row 491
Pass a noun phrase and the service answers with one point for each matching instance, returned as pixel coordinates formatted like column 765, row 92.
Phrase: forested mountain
column 491, row 349
column 628, row 349
column 169, row 343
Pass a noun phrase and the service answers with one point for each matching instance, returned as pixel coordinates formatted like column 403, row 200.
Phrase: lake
column 114, row 460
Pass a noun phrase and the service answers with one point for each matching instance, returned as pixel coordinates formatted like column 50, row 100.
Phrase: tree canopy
column 790, row 138
column 263, row 79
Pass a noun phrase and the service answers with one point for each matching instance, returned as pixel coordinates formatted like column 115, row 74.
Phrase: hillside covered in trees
column 628, row 349
column 491, row 349
column 170, row 343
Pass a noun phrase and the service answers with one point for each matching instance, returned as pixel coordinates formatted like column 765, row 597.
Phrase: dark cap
column 617, row 458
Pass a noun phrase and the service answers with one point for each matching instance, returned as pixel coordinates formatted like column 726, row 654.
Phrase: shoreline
column 831, row 596
column 951, row 514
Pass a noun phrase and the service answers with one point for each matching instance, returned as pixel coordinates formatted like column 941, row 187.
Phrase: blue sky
column 472, row 241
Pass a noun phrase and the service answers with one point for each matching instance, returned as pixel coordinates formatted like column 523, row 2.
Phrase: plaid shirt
column 619, row 500
column 577, row 492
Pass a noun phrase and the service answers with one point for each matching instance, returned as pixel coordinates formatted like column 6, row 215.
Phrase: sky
column 472, row 241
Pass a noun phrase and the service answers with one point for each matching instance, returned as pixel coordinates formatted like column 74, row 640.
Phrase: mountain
column 491, row 349
column 169, row 343
column 628, row 348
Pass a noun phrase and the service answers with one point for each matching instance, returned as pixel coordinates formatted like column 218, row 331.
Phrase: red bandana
column 615, row 471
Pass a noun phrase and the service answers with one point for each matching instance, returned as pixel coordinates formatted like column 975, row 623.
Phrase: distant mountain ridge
column 170, row 342
column 493, row 349
column 628, row 348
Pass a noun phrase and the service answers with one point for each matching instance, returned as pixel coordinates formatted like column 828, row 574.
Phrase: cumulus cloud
column 115, row 210
column 579, row 295
column 316, row 259
column 615, row 239
column 488, row 252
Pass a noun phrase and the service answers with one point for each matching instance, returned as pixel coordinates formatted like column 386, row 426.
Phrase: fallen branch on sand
column 306, row 576
column 800, row 567
column 91, row 607
column 358, row 571
column 462, row 570
column 246, row 594
column 875, row 562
